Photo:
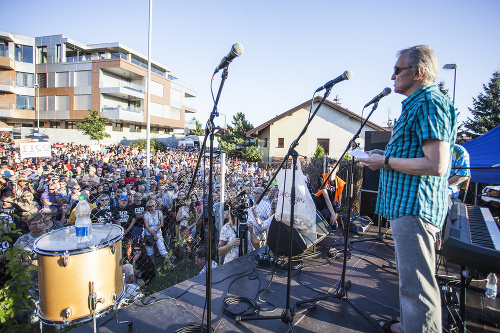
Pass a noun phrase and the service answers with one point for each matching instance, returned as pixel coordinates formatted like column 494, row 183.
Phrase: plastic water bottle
column 491, row 286
column 83, row 224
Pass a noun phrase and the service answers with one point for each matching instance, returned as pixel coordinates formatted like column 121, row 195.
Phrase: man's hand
column 374, row 162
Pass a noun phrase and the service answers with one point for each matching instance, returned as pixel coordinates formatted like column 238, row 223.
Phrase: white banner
column 95, row 147
column 35, row 149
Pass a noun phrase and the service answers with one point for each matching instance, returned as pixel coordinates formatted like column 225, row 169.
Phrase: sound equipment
column 345, row 76
column 374, row 140
column 367, row 205
column 360, row 225
column 279, row 232
column 377, row 98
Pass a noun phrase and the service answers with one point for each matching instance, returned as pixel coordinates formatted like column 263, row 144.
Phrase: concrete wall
column 56, row 135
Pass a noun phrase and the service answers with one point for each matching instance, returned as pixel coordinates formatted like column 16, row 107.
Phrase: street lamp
column 454, row 67
column 37, row 105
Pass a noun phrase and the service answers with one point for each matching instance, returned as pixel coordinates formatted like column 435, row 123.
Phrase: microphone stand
column 341, row 292
column 209, row 132
column 289, row 313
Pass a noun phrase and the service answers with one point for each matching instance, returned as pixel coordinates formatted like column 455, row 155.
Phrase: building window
column 153, row 129
column 25, row 102
column 135, row 128
column 117, row 127
column 24, row 53
column 42, row 54
column 281, row 142
column 25, row 79
column 55, row 124
column 4, row 49
column 266, row 142
column 70, row 125
column 42, row 80
column 325, row 143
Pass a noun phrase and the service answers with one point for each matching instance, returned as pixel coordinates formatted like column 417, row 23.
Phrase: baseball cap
column 123, row 197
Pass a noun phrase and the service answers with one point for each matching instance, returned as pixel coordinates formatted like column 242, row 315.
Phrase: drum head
column 64, row 239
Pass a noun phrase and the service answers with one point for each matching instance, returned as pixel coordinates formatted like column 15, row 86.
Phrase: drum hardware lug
column 67, row 313
column 65, row 259
column 112, row 249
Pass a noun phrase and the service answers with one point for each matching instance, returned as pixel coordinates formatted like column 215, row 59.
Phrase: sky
column 290, row 47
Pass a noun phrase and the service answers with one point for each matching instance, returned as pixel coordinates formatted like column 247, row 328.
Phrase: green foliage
column 200, row 131
column 235, row 142
column 486, row 110
column 94, row 126
column 443, row 89
column 155, row 145
column 252, row 154
column 320, row 151
column 15, row 299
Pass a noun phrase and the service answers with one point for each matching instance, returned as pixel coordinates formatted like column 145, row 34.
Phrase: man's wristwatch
column 386, row 163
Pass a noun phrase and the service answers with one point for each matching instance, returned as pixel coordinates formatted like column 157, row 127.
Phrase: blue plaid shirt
column 427, row 114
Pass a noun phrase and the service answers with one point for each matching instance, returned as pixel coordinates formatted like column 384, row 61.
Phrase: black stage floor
column 374, row 290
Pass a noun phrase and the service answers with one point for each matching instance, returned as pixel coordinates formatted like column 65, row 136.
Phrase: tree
column 235, row 142
column 94, row 126
column 154, row 145
column 199, row 128
column 486, row 109
column 320, row 151
column 443, row 89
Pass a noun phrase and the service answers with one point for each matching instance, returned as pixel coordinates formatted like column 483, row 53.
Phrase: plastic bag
column 304, row 210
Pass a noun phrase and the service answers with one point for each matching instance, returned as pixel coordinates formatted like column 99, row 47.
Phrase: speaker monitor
column 374, row 140
column 278, row 235
column 367, row 205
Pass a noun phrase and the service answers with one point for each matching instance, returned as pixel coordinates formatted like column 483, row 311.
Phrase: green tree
column 235, row 142
column 443, row 89
column 320, row 151
column 486, row 109
column 94, row 126
column 155, row 145
column 199, row 128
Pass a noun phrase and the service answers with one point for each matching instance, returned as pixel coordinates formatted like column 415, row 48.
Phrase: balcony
column 7, row 85
column 122, row 89
column 5, row 61
column 123, row 113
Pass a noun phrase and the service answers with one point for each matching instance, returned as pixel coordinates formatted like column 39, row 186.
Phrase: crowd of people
column 160, row 222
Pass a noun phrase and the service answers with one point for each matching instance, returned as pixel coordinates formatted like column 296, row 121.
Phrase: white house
column 332, row 128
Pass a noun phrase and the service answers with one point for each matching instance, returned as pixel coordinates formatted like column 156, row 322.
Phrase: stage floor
column 374, row 291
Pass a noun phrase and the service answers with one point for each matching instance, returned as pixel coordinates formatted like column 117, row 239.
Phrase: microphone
column 236, row 51
column 377, row 98
column 345, row 76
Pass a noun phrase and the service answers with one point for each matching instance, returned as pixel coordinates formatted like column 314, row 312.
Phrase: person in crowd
column 258, row 214
column 102, row 213
column 61, row 219
column 200, row 260
column 413, row 187
column 50, row 198
column 138, row 208
column 153, row 222
column 144, row 268
column 460, row 170
column 328, row 198
column 27, row 205
column 229, row 241
column 124, row 216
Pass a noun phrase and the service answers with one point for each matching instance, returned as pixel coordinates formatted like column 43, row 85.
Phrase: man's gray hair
column 422, row 56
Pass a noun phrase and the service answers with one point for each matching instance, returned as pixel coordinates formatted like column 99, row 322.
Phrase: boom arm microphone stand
column 341, row 292
column 209, row 131
column 289, row 313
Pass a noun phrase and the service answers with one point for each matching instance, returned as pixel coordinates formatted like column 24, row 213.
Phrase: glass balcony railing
column 118, row 56
column 126, row 85
column 4, row 53
column 6, row 106
column 24, row 107
column 120, row 108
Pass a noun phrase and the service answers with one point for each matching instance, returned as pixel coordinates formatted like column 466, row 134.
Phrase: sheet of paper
column 358, row 153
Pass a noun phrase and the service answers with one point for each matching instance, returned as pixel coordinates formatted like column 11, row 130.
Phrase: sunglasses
column 398, row 70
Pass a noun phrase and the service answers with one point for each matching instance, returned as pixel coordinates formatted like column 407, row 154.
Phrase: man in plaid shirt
column 413, row 187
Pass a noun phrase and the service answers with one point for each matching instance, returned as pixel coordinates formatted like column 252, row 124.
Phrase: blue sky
column 291, row 47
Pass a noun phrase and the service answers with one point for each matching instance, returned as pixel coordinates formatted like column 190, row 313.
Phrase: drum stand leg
column 116, row 308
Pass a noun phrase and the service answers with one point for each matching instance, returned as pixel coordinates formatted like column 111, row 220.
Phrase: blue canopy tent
column 484, row 152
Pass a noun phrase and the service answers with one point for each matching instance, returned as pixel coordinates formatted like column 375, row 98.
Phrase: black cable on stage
column 228, row 301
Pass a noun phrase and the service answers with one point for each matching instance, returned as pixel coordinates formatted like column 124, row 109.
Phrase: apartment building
column 55, row 80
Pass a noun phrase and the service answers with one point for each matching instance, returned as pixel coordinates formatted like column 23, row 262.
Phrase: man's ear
column 419, row 73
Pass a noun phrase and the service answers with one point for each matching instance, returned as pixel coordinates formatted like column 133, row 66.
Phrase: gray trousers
column 419, row 295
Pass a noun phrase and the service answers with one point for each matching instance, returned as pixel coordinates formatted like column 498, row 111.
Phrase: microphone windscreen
column 347, row 75
column 237, row 49
column 386, row 91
